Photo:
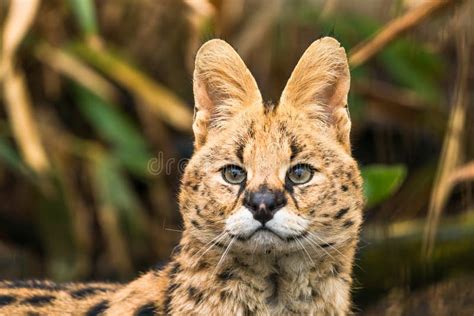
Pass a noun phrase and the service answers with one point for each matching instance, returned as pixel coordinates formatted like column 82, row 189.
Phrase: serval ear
column 319, row 86
column 223, row 86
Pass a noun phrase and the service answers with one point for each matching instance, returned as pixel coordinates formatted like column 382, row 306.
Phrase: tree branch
column 367, row 49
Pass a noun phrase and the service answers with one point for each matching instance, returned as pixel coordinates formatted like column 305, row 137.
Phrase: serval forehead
column 271, row 122
column 266, row 133
column 278, row 129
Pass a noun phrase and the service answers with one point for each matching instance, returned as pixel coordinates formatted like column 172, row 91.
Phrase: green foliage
column 411, row 65
column 114, row 189
column 452, row 255
column 10, row 157
column 128, row 145
column 128, row 152
column 381, row 181
column 54, row 224
column 85, row 14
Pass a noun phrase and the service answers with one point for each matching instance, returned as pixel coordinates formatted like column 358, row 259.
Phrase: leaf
column 17, row 100
column 128, row 144
column 413, row 66
column 380, row 181
column 10, row 157
column 70, row 66
column 85, row 13
column 160, row 100
column 115, row 190
column 20, row 17
column 52, row 218
column 23, row 122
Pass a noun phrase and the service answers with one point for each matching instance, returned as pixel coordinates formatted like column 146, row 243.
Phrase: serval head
column 272, row 177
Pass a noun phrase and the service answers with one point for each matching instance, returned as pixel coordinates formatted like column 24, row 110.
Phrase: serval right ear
column 319, row 86
column 223, row 86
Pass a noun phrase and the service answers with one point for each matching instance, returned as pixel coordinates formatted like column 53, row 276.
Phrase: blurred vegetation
column 93, row 91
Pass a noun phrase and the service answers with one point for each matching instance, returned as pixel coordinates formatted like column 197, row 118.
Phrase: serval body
column 271, row 202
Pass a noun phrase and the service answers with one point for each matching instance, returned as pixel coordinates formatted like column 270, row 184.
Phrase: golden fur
column 226, row 265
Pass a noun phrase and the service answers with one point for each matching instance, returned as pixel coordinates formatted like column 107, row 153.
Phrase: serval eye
column 234, row 174
column 300, row 174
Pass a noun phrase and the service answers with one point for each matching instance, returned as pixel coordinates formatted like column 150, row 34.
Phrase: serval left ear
column 319, row 85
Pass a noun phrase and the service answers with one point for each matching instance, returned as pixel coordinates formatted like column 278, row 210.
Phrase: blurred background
column 95, row 121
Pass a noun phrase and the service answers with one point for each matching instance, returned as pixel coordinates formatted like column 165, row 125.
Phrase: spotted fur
column 299, row 260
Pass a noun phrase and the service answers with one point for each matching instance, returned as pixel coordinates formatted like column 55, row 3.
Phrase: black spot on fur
column 341, row 213
column 292, row 310
column 169, row 293
column 355, row 184
column 147, row 310
column 225, row 275
column 282, row 128
column 348, row 223
column 176, row 268
column 209, row 221
column 195, row 187
column 86, row 292
column 224, row 295
column 202, row 264
column 195, row 294
column 240, row 152
column 326, row 245
column 172, row 286
column 251, row 130
column 295, row 149
column 220, row 245
column 6, row 300
column 198, row 210
column 273, row 280
column 33, row 284
column 344, row 188
column 38, row 300
column 195, row 224
column 336, row 269
column 98, row 309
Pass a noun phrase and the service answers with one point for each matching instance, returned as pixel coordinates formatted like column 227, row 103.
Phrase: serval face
column 272, row 178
